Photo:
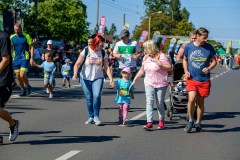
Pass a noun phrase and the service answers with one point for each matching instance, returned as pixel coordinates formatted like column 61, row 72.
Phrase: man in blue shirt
column 21, row 43
column 199, row 59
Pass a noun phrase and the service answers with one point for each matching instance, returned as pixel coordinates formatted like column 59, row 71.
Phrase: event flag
column 156, row 35
column 171, row 45
column 164, row 38
column 178, row 45
column 102, row 25
column 143, row 37
column 229, row 46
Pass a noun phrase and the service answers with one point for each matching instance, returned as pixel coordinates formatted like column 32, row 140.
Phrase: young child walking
column 124, row 95
column 66, row 73
column 49, row 69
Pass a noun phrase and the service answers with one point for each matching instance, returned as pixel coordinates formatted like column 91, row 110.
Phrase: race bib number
column 124, row 92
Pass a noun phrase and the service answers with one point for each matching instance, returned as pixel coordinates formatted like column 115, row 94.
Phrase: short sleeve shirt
column 66, row 69
column 6, row 76
column 127, row 51
column 21, row 45
column 92, row 71
column 123, row 92
column 155, row 76
column 48, row 68
column 199, row 57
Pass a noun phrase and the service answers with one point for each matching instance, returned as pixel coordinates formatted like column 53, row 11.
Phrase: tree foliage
column 62, row 19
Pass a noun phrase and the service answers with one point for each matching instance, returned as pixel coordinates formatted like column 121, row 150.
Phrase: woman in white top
column 92, row 77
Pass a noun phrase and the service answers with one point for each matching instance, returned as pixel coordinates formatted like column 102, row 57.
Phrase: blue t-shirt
column 123, row 92
column 65, row 69
column 198, row 58
column 48, row 68
column 21, row 45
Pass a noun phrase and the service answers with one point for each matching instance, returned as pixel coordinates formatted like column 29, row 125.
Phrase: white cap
column 49, row 42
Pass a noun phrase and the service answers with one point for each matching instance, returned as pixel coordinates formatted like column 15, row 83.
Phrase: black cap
column 124, row 33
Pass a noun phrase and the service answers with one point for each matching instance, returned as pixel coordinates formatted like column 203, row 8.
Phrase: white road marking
column 68, row 155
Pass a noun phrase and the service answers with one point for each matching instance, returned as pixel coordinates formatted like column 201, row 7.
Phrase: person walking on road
column 91, row 76
column 199, row 59
column 66, row 68
column 155, row 66
column 124, row 95
column 127, row 51
column 49, row 68
column 192, row 38
column 6, row 79
column 22, row 43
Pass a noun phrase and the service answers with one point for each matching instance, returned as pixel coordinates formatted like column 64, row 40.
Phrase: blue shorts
column 20, row 65
column 66, row 77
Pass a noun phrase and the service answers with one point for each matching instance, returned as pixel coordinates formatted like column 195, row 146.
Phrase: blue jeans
column 92, row 91
column 159, row 94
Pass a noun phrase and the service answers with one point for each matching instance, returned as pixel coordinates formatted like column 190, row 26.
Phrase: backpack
column 86, row 53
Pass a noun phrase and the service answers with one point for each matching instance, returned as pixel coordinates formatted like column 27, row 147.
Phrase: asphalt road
column 54, row 129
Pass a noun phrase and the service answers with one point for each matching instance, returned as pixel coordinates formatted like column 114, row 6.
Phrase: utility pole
column 97, row 16
column 124, row 16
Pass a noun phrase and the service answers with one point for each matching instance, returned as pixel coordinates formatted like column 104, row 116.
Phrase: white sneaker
column 47, row 91
column 50, row 95
column 14, row 131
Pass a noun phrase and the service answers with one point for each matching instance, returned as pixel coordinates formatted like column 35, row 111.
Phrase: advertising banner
column 143, row 37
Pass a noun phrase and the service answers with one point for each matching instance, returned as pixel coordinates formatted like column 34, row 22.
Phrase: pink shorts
column 202, row 88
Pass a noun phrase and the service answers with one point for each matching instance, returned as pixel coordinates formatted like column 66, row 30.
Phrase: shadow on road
column 69, row 140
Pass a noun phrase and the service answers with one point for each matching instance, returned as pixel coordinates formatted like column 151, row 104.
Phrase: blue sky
column 220, row 17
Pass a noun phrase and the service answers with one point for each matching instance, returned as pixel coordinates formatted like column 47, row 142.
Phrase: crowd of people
column 95, row 63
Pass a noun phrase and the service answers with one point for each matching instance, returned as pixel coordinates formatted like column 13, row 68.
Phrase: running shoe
column 23, row 93
column 1, row 139
column 28, row 90
column 50, row 95
column 148, row 126
column 14, row 131
column 198, row 127
column 89, row 121
column 125, row 123
column 161, row 124
column 47, row 91
column 189, row 127
column 69, row 86
column 97, row 120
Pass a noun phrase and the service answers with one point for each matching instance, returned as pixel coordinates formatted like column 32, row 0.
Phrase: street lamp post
column 149, row 23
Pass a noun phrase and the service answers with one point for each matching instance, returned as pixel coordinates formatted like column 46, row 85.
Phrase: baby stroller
column 177, row 95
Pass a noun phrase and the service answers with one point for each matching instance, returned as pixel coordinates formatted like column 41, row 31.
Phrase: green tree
column 183, row 28
column 106, row 32
column 61, row 19
column 185, row 14
column 113, row 29
column 155, row 6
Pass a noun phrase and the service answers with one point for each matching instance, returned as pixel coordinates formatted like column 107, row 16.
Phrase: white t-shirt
column 127, row 51
column 92, row 71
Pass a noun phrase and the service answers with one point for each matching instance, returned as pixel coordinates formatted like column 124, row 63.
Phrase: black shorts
column 5, row 93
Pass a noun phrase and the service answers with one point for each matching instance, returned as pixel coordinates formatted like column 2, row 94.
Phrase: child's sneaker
column 47, row 90
column 50, row 95
column 63, row 85
column 69, row 86
column 148, row 126
column 125, row 123
column 160, row 124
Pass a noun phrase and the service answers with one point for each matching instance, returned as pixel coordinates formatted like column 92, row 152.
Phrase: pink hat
column 127, row 69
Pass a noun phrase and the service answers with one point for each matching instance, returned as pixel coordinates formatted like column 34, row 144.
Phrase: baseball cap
column 123, row 33
column 49, row 42
column 67, row 60
column 127, row 69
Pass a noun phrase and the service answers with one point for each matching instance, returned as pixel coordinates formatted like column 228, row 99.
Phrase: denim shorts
column 48, row 81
